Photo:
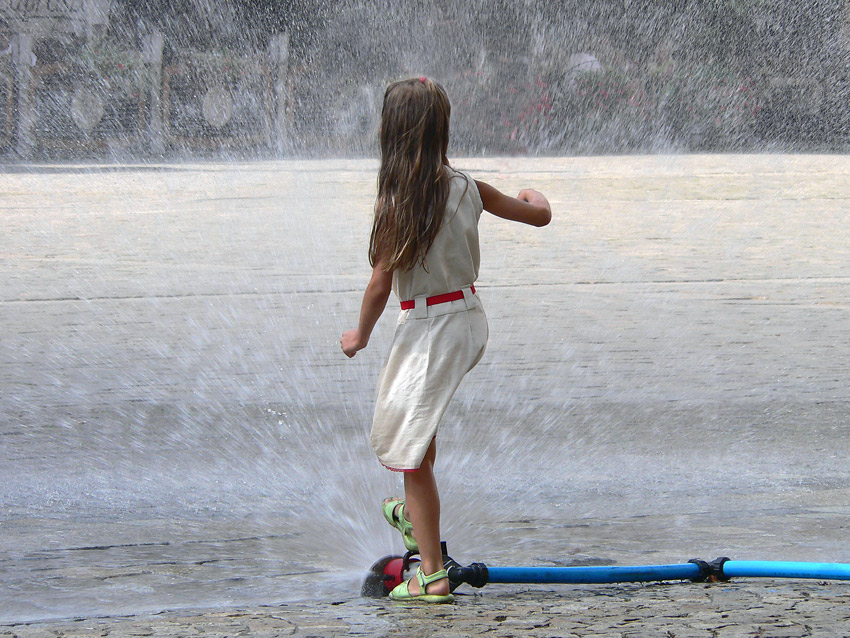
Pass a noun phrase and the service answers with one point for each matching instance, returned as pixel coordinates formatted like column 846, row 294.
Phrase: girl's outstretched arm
column 374, row 301
column 529, row 207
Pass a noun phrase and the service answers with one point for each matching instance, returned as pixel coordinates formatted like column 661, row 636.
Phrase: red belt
column 432, row 301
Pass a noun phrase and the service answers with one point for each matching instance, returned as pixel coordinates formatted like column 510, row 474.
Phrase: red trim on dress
column 394, row 469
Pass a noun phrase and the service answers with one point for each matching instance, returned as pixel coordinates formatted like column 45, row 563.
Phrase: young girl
column 424, row 246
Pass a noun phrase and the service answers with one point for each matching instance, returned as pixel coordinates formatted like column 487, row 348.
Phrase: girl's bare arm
column 374, row 302
column 529, row 207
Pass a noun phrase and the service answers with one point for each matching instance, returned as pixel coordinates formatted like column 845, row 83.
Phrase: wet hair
column 413, row 185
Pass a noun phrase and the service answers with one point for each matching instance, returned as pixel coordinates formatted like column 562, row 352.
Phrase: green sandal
column 400, row 523
column 402, row 594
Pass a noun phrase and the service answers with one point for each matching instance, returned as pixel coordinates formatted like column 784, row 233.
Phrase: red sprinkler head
column 383, row 576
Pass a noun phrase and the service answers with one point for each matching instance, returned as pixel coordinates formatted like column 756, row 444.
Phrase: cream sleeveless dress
column 434, row 346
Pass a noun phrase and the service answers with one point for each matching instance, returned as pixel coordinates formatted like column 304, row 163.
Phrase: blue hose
column 589, row 575
column 784, row 569
column 392, row 568
column 479, row 575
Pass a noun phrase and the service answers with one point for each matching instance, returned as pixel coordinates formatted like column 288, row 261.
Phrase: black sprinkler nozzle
column 475, row 574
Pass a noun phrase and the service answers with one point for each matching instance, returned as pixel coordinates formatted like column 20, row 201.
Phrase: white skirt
column 433, row 349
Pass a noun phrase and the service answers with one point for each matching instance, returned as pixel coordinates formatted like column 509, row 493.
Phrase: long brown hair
column 413, row 186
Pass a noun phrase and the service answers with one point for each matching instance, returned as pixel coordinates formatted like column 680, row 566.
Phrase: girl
column 424, row 246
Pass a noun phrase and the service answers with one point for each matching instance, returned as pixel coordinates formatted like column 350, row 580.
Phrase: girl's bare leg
column 422, row 508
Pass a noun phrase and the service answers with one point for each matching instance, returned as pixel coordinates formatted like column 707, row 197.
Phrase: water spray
column 389, row 571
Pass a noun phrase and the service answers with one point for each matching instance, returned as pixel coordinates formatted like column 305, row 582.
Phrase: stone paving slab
column 683, row 610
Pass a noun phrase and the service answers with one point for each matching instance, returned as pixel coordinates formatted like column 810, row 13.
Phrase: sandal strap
column 425, row 580
column 401, row 521
column 406, row 525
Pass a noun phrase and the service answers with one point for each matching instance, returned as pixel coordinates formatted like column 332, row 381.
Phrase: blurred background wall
column 144, row 79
